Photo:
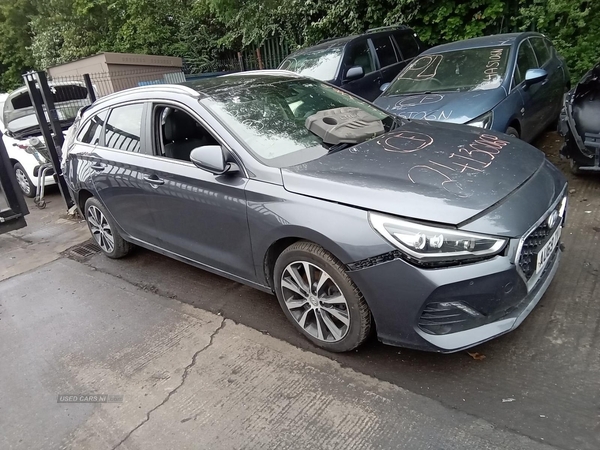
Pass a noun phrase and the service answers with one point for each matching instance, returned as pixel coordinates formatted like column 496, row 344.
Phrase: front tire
column 104, row 230
column 319, row 298
column 513, row 132
column 27, row 187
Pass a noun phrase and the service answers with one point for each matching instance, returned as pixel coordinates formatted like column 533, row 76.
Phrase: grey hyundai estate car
column 435, row 236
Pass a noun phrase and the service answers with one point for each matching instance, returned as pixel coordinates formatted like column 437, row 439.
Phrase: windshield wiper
column 339, row 147
column 397, row 122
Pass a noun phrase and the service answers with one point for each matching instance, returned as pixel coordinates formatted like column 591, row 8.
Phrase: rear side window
column 90, row 133
column 541, row 51
column 124, row 128
column 525, row 61
column 385, row 51
column 407, row 44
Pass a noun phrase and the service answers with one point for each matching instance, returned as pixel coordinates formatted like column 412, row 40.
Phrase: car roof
column 342, row 41
column 201, row 88
column 496, row 40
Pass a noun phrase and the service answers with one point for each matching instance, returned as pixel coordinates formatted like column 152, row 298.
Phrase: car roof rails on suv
column 387, row 28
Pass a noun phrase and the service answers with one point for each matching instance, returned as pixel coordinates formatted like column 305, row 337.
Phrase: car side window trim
column 374, row 56
column 394, row 49
column 87, row 121
column 143, row 137
column 396, row 45
column 200, row 120
column 512, row 81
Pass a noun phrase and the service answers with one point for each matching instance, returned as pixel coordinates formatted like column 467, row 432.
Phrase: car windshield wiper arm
column 339, row 147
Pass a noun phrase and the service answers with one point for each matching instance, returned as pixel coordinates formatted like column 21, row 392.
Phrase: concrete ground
column 203, row 362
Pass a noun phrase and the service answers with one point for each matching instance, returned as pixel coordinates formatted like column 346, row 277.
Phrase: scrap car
column 511, row 83
column 580, row 124
column 434, row 236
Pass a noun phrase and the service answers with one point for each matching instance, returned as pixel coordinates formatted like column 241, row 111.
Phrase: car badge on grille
column 552, row 219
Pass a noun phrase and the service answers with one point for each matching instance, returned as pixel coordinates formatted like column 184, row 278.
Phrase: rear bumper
column 398, row 294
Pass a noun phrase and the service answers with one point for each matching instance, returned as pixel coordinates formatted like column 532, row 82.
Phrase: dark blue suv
column 359, row 64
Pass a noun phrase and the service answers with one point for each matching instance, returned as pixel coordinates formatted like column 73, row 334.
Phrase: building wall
column 112, row 72
column 93, row 64
column 129, row 76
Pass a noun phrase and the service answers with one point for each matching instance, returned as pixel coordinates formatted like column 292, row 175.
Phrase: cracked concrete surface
column 183, row 378
column 190, row 379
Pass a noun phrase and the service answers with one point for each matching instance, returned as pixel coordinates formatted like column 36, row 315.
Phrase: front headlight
column 428, row 244
column 483, row 121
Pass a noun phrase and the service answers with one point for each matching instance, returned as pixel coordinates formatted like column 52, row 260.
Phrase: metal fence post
column 90, row 88
column 32, row 80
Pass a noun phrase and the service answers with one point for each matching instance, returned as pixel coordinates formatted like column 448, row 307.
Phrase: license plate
column 545, row 253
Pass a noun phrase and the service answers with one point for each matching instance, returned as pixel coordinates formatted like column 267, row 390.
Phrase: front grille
column 534, row 242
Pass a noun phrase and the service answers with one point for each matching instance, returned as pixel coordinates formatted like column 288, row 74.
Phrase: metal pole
column 48, row 98
column 90, row 88
column 36, row 101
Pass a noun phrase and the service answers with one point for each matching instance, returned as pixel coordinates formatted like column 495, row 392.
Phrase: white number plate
column 546, row 252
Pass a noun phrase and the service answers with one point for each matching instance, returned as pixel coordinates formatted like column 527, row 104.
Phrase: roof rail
column 389, row 27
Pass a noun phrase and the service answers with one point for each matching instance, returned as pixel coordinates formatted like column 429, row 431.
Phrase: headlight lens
column 483, row 121
column 428, row 244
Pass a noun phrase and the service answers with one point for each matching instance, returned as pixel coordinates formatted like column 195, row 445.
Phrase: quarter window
column 385, row 51
column 124, row 128
column 541, row 51
column 91, row 131
column 407, row 44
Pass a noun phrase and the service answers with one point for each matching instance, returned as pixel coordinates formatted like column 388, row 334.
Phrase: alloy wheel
column 315, row 301
column 100, row 229
column 23, row 181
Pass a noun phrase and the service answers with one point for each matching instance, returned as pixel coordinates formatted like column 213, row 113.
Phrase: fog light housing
column 449, row 317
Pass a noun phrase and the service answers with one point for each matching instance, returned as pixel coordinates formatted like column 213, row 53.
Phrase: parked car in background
column 580, row 124
column 439, row 236
column 359, row 64
column 22, row 135
column 512, row 83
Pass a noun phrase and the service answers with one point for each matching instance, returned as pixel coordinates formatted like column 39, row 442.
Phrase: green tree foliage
column 42, row 33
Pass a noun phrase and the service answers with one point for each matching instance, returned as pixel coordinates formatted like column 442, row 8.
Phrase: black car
column 359, row 64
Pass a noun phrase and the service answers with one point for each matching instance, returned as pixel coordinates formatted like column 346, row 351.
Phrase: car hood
column 454, row 107
column 433, row 172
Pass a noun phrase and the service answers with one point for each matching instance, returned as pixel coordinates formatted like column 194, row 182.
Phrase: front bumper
column 398, row 293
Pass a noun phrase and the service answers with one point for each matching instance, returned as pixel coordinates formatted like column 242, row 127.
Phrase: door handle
column 97, row 167
column 154, row 180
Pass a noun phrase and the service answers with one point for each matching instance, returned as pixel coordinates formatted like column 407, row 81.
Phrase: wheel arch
column 82, row 196
column 516, row 124
column 290, row 236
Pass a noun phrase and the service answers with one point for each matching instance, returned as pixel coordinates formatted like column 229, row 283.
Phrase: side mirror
column 210, row 158
column 384, row 87
column 354, row 73
column 534, row 76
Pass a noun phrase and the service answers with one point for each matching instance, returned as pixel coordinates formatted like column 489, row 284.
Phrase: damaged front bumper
column 580, row 124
